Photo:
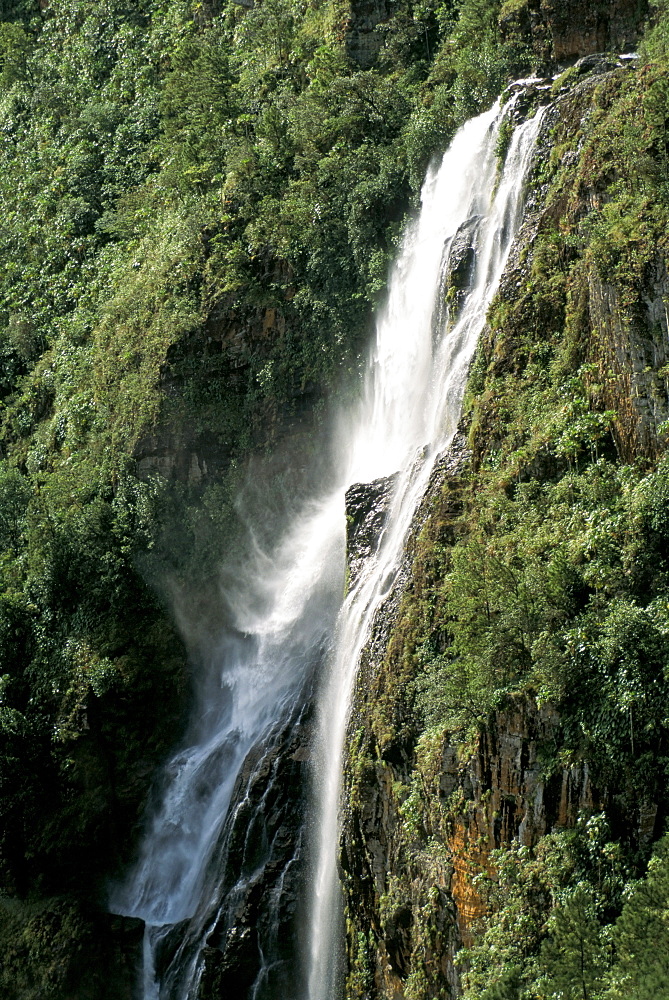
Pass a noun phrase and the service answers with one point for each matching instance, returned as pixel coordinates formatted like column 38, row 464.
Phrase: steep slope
column 514, row 691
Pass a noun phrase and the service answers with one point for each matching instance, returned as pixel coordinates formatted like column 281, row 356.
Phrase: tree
column 574, row 957
column 641, row 936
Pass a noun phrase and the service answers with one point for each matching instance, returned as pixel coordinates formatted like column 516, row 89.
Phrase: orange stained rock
column 468, row 861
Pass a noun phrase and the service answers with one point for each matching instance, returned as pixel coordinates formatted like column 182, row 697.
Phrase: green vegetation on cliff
column 199, row 204
column 571, row 921
column 536, row 620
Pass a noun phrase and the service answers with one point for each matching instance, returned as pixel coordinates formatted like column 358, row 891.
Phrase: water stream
column 217, row 837
column 409, row 415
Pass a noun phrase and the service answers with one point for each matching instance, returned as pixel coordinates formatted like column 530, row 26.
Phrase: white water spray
column 284, row 604
column 283, row 608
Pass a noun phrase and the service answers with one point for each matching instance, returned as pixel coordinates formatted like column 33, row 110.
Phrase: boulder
column 367, row 507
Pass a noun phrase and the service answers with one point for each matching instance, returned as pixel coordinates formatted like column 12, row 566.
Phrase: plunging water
column 284, row 622
column 409, row 415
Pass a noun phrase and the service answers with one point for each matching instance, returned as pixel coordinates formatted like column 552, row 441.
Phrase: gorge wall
column 431, row 792
column 564, row 32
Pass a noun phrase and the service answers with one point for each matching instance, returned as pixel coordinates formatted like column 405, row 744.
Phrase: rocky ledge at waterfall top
column 423, row 812
column 559, row 31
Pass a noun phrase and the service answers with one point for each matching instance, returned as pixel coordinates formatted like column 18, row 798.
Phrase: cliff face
column 426, row 805
column 630, row 348
column 390, row 894
column 363, row 39
column 257, row 871
column 562, row 31
column 408, row 866
column 578, row 29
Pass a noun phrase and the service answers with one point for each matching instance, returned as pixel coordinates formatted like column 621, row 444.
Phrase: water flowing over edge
column 282, row 620
column 408, row 417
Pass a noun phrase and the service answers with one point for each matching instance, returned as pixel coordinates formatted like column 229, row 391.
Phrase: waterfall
column 408, row 416
column 282, row 607
column 213, row 835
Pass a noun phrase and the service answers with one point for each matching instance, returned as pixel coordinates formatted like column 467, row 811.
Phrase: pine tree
column 641, row 937
column 574, row 957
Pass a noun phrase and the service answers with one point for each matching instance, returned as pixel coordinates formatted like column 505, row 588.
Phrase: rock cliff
column 363, row 40
column 561, row 31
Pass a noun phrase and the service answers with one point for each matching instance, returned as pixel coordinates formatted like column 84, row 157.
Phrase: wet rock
column 259, row 860
column 367, row 507
column 167, row 948
column 459, row 266
column 231, row 973
column 462, row 254
column 363, row 41
column 529, row 95
column 598, row 62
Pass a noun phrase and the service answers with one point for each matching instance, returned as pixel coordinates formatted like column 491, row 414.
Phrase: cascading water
column 284, row 625
column 283, row 609
column 408, row 417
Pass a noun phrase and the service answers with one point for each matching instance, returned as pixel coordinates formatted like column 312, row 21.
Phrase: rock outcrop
column 251, row 941
column 180, row 454
column 631, row 350
column 461, row 263
column 562, row 31
column 363, row 40
column 366, row 512
column 255, row 871
column 578, row 29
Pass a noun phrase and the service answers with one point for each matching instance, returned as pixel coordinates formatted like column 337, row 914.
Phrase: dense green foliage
column 560, row 587
column 199, row 204
column 553, row 935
